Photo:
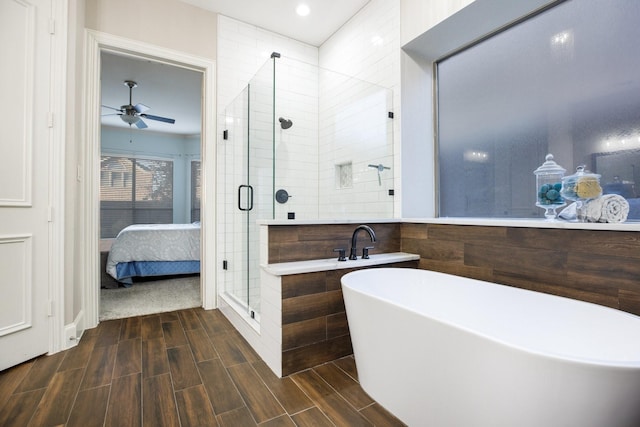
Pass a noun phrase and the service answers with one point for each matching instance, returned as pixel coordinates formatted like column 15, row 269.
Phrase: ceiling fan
column 132, row 114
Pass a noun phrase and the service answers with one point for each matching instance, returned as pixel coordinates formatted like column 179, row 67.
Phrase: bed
column 144, row 250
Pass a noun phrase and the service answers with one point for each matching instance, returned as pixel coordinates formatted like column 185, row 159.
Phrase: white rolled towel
column 608, row 208
column 592, row 210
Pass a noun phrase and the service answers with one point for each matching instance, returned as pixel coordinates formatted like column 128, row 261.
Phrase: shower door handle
column 250, row 197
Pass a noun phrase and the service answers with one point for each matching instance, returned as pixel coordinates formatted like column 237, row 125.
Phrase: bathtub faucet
column 354, row 239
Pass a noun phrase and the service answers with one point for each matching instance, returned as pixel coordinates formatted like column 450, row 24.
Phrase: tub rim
column 631, row 364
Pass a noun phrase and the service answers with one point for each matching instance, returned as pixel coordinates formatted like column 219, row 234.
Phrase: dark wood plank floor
column 184, row 368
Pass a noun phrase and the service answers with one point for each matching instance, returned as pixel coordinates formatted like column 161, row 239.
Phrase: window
column 563, row 81
column 196, row 190
column 134, row 191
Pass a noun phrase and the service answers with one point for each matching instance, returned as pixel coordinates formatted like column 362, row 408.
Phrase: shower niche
column 308, row 130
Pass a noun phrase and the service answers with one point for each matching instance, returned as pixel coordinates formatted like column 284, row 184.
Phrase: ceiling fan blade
column 112, row 108
column 141, row 108
column 158, row 118
column 111, row 114
column 141, row 125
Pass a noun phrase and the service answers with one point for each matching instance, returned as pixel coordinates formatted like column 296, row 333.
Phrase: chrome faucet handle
column 341, row 254
column 365, row 252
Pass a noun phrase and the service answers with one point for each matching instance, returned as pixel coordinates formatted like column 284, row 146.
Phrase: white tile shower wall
column 366, row 47
column 355, row 129
column 297, row 147
column 242, row 51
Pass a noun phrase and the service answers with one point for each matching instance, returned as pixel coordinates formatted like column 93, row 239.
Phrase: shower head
column 285, row 123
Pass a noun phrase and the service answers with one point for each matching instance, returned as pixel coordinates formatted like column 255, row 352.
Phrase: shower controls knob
column 282, row 196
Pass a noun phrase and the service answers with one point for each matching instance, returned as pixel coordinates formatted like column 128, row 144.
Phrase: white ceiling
column 169, row 91
column 279, row 16
column 176, row 93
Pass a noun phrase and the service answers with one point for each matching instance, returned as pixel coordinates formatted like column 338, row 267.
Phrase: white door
column 24, row 176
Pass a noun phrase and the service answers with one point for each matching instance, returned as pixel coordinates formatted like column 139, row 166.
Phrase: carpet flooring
column 150, row 297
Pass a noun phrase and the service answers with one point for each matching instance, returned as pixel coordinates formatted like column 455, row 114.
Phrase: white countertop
column 633, row 225
column 530, row 223
column 298, row 267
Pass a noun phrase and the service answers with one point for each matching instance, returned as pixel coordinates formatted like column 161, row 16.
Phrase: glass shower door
column 249, row 171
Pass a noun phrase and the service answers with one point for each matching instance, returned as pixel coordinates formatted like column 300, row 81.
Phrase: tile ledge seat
column 299, row 267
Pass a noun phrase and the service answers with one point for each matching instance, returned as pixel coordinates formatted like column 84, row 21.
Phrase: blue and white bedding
column 154, row 250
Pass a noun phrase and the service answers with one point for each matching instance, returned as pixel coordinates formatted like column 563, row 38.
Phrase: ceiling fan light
column 131, row 120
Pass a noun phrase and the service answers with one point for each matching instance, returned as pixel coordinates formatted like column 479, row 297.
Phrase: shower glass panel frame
column 249, row 166
column 324, row 137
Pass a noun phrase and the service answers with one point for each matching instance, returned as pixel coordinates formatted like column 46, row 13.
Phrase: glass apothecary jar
column 548, row 187
column 581, row 187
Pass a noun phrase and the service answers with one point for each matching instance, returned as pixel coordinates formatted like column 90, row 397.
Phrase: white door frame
column 95, row 43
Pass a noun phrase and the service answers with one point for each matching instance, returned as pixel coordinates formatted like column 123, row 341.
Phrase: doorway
column 150, row 163
column 98, row 43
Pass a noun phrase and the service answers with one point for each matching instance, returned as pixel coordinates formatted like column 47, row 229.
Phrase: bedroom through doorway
column 150, row 186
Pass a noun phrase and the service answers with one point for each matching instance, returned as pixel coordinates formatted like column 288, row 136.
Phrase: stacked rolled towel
column 607, row 208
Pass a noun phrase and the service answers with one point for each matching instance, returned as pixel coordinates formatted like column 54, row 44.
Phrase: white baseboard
column 73, row 331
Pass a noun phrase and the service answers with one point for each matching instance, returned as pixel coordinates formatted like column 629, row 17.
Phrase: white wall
column 354, row 123
column 167, row 23
column 420, row 15
column 172, row 24
column 429, row 32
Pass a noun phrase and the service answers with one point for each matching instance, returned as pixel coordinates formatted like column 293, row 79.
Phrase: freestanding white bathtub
column 446, row 351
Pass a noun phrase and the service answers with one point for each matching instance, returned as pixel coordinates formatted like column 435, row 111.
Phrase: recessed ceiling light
column 303, row 10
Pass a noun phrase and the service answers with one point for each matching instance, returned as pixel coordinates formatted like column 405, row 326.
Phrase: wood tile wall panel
column 456, row 267
column 588, row 265
column 629, row 301
column 305, row 307
column 303, row 333
column 337, row 325
column 314, row 322
column 304, row 284
column 306, row 242
column 527, row 262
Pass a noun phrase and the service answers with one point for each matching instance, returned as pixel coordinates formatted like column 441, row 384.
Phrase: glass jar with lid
column 581, row 187
column 548, row 186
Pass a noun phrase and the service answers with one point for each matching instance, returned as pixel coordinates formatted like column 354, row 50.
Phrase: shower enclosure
column 299, row 142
